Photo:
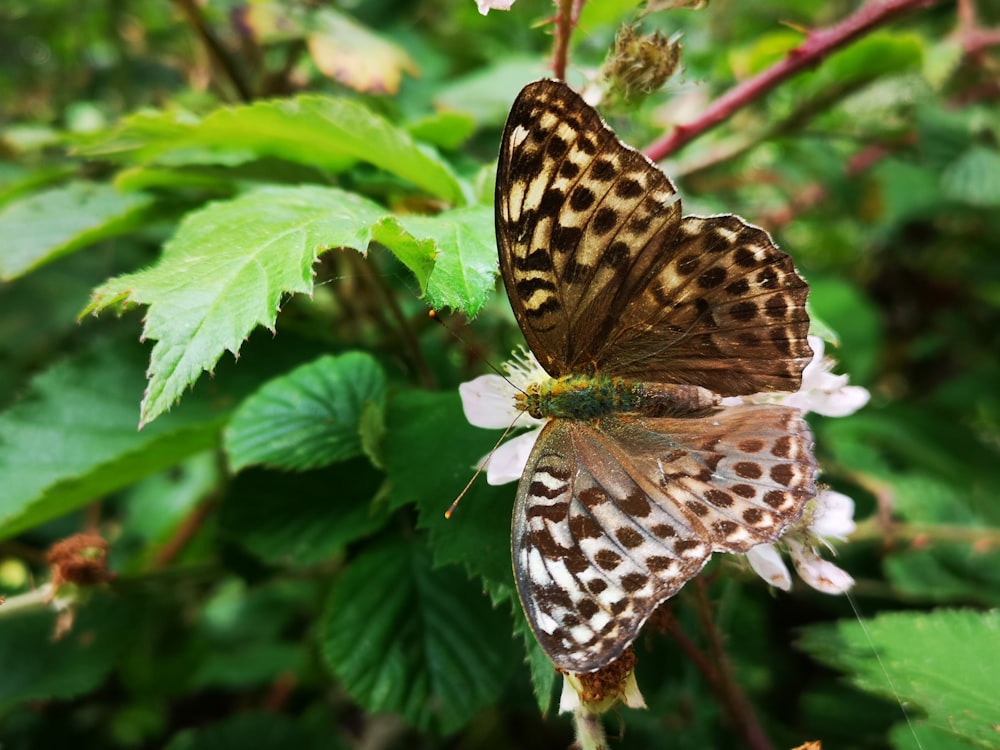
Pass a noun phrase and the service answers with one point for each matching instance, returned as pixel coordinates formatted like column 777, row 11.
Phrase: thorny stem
column 817, row 45
column 185, row 532
column 214, row 48
column 567, row 15
column 741, row 713
column 981, row 538
column 589, row 730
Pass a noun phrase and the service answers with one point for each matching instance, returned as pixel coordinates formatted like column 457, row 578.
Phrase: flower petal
column 833, row 517
column 506, row 463
column 767, row 563
column 485, row 6
column 488, row 402
column 569, row 699
column 821, row 574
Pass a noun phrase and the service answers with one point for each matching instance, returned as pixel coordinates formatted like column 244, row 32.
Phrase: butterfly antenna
column 486, row 462
column 885, row 671
column 432, row 314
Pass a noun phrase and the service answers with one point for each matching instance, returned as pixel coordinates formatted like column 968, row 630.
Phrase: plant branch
column 738, row 707
column 567, row 15
column 817, row 45
column 216, row 51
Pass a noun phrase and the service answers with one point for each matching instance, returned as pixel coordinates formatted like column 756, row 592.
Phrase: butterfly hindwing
column 726, row 311
column 612, row 519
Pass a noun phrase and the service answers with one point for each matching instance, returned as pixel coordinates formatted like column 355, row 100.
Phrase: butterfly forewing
column 603, row 275
column 580, row 223
column 613, row 518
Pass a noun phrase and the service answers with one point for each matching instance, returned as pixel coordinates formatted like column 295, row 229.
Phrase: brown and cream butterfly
column 644, row 319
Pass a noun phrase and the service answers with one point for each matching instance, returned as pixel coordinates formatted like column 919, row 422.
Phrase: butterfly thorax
column 589, row 397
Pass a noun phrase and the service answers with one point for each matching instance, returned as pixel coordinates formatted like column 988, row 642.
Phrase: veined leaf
column 229, row 265
column 47, row 225
column 323, row 132
column 942, row 663
column 433, row 650
column 308, row 418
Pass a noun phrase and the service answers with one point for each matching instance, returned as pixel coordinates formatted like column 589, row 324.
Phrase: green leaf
column 448, row 130
column 302, row 519
column 430, row 452
column 942, row 663
column 39, row 228
column 257, row 732
column 308, row 418
column 323, row 132
column 465, row 258
column 422, row 643
column 37, row 668
column 72, row 439
column 229, row 266
column 946, row 573
column 974, row 178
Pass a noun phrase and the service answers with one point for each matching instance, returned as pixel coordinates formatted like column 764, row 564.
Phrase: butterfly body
column 583, row 397
column 644, row 319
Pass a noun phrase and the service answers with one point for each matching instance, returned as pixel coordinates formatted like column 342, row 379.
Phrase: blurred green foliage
column 273, row 198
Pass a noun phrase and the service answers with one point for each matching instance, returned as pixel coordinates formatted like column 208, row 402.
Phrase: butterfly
column 644, row 319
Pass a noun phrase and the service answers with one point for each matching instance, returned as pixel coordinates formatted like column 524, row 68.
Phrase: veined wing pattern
column 607, row 279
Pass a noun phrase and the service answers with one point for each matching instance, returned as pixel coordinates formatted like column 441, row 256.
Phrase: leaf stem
column 734, row 700
column 816, row 46
column 191, row 11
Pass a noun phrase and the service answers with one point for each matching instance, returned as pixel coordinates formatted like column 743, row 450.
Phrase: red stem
column 817, row 45
column 567, row 15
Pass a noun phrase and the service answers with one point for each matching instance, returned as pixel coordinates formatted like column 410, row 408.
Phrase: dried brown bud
column 80, row 559
column 640, row 64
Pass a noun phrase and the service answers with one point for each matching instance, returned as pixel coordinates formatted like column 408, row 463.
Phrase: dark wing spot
column 659, row 562
column 687, row 265
column 581, row 198
column 604, row 220
column 628, row 188
column 712, row 278
column 783, row 474
column 719, row 498
column 744, row 311
column 775, row 498
column 582, row 526
column 636, row 504
column 536, row 260
column 629, row 537
column 616, row 255
column 634, row 581
column 782, row 447
column 603, row 170
column 738, row 288
column 591, row 497
column 607, row 559
column 748, row 470
column 744, row 258
column 699, row 509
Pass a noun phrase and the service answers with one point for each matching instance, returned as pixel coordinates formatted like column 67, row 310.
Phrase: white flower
column 489, row 401
column 574, row 697
column 830, row 515
column 767, row 563
column 485, row 6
